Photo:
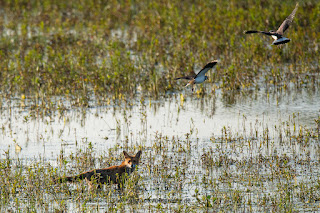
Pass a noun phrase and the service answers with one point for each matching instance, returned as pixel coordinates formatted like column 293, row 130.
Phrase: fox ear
column 138, row 154
column 126, row 155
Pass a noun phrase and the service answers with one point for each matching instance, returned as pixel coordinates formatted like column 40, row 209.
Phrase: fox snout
column 131, row 166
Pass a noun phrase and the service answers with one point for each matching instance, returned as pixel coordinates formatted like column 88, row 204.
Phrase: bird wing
column 256, row 31
column 185, row 77
column 264, row 32
column 286, row 23
column 206, row 68
column 252, row 31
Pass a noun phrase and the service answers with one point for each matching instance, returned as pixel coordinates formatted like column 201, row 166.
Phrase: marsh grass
column 74, row 55
column 249, row 171
column 102, row 51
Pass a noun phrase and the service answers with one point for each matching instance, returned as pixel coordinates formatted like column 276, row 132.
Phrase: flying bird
column 201, row 76
column 278, row 35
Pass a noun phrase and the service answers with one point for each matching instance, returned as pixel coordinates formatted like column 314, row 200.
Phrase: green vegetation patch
column 106, row 50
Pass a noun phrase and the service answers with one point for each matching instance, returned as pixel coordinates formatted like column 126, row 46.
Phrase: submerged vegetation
column 122, row 56
column 234, row 172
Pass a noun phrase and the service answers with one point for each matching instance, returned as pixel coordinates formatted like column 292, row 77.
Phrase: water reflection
column 175, row 115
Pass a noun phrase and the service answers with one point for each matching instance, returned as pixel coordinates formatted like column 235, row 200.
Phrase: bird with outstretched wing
column 278, row 35
column 201, row 76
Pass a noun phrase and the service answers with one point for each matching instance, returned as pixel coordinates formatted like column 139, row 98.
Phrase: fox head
column 131, row 161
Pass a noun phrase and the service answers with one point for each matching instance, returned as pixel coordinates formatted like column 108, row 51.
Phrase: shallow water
column 205, row 116
column 226, row 128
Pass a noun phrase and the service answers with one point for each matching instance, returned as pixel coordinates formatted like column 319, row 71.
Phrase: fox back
column 112, row 174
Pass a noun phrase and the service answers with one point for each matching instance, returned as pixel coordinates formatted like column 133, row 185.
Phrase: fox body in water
column 113, row 174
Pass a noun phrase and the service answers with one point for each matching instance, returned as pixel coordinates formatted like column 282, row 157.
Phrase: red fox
column 112, row 174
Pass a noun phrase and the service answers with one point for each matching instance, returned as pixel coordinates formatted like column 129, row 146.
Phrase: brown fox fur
column 112, row 174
